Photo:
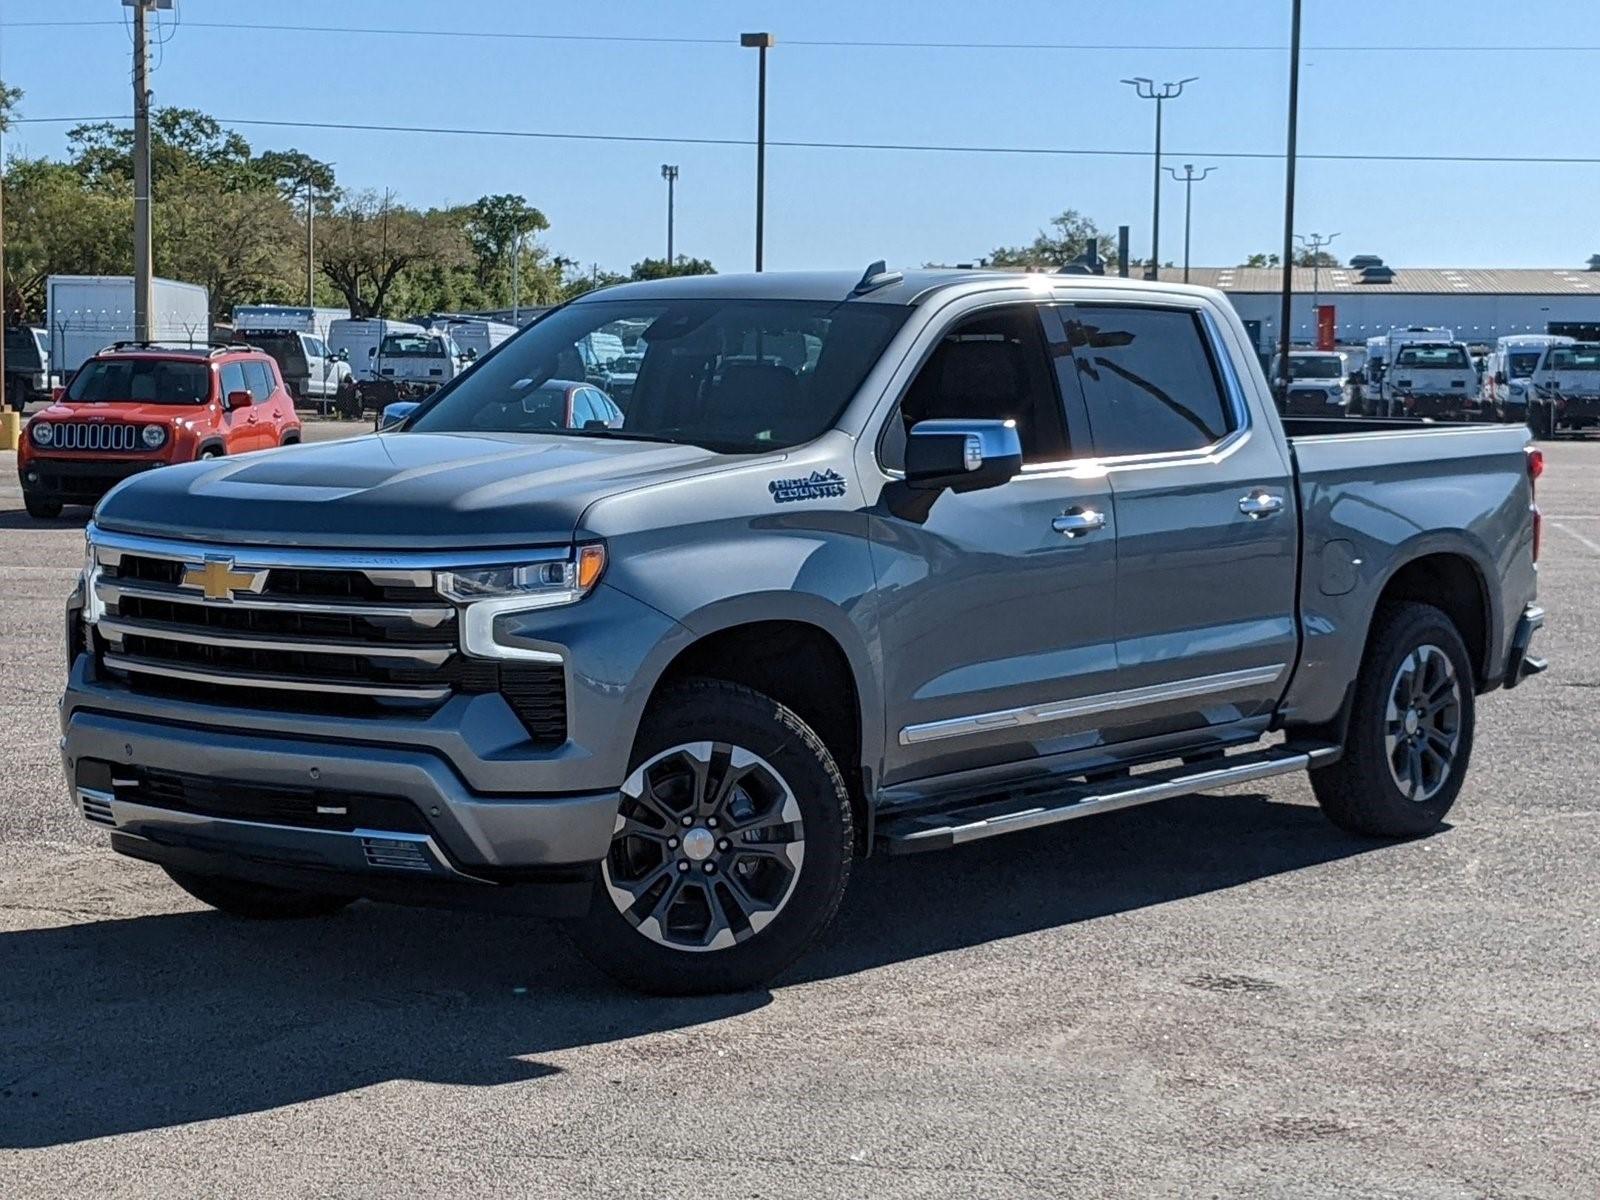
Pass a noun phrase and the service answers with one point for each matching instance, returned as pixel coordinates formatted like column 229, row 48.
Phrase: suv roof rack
column 876, row 275
column 211, row 348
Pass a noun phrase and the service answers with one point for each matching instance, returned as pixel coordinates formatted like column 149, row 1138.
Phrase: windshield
column 1316, row 368
column 1574, row 358
column 1520, row 363
column 141, row 381
column 737, row 376
column 414, row 345
column 1441, row 357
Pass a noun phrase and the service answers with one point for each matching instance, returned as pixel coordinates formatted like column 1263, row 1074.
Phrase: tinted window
column 259, row 376
column 22, row 351
column 1446, row 357
column 233, row 379
column 732, row 375
column 145, row 380
column 1575, row 358
column 993, row 366
column 1148, row 379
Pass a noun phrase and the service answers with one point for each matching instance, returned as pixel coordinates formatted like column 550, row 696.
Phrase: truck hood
column 397, row 491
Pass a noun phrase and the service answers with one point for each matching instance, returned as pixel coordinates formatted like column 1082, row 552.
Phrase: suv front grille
column 93, row 435
column 355, row 641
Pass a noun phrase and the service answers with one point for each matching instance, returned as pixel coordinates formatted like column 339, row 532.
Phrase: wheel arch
column 1453, row 581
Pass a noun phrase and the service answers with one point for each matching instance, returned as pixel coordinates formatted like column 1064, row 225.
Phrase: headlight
column 488, row 592
column 93, row 609
column 43, row 433
column 153, row 436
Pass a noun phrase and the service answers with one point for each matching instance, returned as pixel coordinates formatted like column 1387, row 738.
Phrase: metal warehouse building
column 1480, row 305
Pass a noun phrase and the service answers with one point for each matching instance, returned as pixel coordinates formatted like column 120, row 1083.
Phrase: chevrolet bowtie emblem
column 219, row 581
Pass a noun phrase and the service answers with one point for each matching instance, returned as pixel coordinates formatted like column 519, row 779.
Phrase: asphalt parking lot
column 1216, row 996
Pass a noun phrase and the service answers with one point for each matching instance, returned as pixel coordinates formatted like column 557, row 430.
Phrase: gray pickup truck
column 885, row 564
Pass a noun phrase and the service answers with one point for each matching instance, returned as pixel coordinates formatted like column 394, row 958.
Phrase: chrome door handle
column 1076, row 522
column 1259, row 504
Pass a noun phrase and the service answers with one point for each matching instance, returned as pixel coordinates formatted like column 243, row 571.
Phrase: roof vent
column 1594, row 262
column 1362, row 261
column 1377, row 274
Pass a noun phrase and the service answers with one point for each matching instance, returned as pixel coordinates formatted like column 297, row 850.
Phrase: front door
column 995, row 608
column 1207, row 524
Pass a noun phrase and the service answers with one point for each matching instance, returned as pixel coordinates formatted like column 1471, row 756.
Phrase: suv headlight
column 43, row 433
column 488, row 592
column 153, row 436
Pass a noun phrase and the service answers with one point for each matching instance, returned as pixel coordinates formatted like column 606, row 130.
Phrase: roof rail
column 876, row 275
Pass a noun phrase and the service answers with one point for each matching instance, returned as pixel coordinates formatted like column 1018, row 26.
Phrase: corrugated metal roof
column 1524, row 281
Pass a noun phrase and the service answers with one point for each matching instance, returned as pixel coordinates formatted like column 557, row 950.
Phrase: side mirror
column 240, row 399
column 962, row 456
column 372, row 351
column 394, row 415
column 1500, row 378
column 470, row 354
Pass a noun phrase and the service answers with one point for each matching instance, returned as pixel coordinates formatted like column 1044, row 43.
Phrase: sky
column 606, row 201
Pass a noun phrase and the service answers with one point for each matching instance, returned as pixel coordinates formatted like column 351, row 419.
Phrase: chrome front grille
column 93, row 435
column 206, row 623
column 306, row 631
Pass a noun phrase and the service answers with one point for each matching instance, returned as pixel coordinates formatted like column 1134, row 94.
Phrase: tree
column 180, row 138
column 242, row 245
column 53, row 227
column 368, row 242
column 1068, row 236
column 660, row 268
column 1302, row 258
column 10, row 97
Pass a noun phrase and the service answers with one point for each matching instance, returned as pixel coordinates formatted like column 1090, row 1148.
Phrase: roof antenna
column 876, row 275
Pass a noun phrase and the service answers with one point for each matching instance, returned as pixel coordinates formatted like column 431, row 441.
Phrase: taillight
column 1535, row 469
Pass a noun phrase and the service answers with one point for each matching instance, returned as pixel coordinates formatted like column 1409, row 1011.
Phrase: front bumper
column 78, row 480
column 1313, row 403
column 1578, row 410
column 1442, row 405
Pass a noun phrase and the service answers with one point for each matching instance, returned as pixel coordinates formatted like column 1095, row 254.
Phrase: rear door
column 1207, row 526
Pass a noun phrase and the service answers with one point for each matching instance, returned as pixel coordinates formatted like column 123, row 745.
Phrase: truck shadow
column 121, row 1025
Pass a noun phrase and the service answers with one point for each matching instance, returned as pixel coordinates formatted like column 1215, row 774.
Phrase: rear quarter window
column 259, row 376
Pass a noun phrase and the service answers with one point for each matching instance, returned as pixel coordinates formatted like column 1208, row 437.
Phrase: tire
column 41, row 507
column 256, row 901
column 208, row 452
column 651, row 924
column 1542, row 420
column 1365, row 791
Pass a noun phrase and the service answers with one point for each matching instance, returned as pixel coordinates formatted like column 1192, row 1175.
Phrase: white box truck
column 86, row 313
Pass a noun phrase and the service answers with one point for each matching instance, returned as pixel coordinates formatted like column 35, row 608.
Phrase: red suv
column 136, row 406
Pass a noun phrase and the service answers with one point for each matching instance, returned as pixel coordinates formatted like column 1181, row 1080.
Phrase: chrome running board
column 940, row 829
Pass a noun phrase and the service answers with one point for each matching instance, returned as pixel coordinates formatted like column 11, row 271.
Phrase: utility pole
column 311, row 222
column 1285, row 315
column 1188, row 179
column 1148, row 90
column 761, row 42
column 670, row 174
column 144, row 318
column 1314, row 242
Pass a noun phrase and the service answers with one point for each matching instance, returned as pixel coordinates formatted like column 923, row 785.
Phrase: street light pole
column 143, row 266
column 1188, row 179
column 1285, row 315
column 761, row 42
column 1314, row 242
column 670, row 174
column 1147, row 89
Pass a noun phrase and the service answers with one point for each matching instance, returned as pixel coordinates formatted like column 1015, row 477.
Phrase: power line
column 839, row 43
column 897, row 147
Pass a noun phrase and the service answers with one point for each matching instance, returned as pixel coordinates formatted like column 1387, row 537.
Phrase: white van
column 1508, row 370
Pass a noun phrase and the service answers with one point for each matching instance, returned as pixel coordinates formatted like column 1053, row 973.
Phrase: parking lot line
column 1573, row 533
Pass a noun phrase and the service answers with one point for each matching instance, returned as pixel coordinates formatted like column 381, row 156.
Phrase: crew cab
column 1434, row 379
column 1564, row 389
column 998, row 551
column 136, row 406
